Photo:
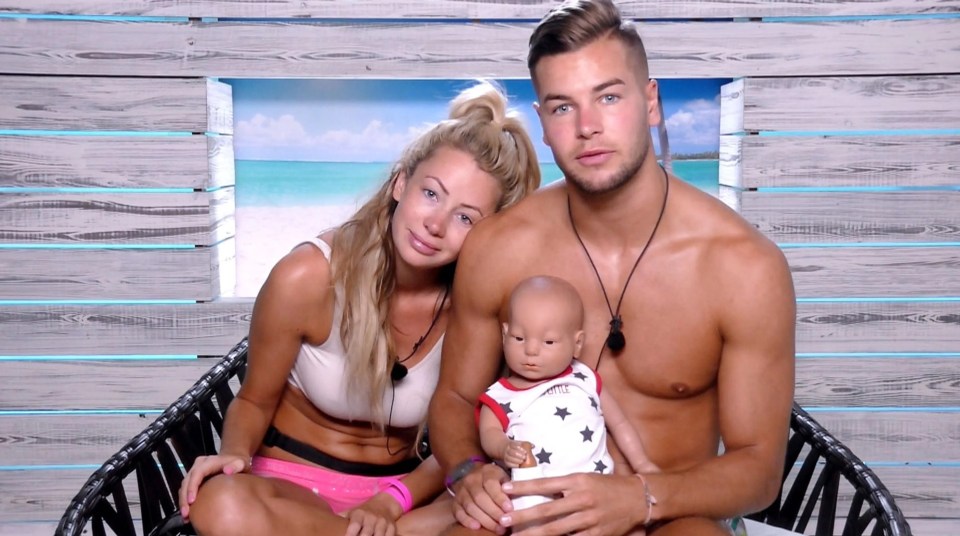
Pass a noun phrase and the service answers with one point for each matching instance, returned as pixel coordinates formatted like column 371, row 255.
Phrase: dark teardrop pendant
column 398, row 372
column 615, row 340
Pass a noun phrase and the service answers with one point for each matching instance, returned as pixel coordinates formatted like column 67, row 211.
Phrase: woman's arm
column 295, row 299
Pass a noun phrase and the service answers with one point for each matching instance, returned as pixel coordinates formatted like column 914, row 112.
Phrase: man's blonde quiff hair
column 577, row 23
column 363, row 267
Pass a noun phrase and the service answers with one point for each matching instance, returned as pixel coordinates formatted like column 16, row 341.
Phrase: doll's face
column 542, row 337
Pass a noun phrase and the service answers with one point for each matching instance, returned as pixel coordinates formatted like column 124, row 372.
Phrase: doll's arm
column 496, row 443
column 626, row 436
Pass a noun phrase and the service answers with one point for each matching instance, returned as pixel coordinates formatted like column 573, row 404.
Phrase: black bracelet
column 461, row 470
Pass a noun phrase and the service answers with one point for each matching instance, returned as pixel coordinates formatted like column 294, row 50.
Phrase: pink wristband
column 399, row 491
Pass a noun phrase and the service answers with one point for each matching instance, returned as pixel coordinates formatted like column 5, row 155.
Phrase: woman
column 345, row 342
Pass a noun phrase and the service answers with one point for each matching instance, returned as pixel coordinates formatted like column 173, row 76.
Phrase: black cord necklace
column 399, row 370
column 615, row 339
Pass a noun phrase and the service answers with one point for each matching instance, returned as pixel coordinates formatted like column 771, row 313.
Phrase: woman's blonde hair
column 480, row 124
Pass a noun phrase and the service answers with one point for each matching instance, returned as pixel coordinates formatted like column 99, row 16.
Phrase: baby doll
column 550, row 399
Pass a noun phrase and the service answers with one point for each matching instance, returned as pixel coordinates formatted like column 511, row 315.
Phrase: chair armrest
column 159, row 455
column 815, row 487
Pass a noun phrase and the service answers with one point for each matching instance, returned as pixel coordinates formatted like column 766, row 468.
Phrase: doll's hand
column 515, row 453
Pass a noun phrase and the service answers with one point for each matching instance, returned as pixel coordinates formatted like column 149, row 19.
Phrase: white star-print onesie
column 560, row 416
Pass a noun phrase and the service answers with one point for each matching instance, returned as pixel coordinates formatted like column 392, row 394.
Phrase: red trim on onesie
column 485, row 400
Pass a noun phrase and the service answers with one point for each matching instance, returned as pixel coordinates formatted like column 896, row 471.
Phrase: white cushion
column 755, row 528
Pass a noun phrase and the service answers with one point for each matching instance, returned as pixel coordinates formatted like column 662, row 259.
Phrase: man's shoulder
column 725, row 242
column 727, row 233
column 531, row 218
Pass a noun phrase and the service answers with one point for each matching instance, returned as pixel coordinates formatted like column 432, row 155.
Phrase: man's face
column 596, row 110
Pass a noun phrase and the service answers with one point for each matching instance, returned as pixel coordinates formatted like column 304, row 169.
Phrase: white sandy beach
column 265, row 234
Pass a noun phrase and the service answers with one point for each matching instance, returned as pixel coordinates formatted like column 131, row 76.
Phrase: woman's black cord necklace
column 399, row 370
column 615, row 339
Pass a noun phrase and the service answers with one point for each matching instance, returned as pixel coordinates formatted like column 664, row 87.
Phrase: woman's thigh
column 250, row 504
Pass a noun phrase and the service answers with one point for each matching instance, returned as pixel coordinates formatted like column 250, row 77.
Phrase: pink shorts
column 341, row 491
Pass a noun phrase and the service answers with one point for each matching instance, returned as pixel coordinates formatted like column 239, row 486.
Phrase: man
column 690, row 310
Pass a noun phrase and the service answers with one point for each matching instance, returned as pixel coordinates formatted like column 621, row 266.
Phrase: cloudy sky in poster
column 371, row 120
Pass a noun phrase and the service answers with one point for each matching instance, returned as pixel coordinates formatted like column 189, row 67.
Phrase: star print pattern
column 561, row 416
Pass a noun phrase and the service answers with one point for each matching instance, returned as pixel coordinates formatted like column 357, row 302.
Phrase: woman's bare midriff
column 355, row 441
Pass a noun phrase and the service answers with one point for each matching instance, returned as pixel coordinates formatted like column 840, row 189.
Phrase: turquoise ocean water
column 279, row 183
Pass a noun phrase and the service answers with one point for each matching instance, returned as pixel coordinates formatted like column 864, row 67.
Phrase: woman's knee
column 430, row 520
column 226, row 505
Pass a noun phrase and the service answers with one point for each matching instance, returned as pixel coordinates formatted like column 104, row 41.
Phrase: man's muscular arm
column 756, row 311
column 471, row 358
column 757, row 315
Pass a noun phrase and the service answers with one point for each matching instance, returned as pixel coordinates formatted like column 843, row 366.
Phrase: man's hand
column 607, row 505
column 480, row 501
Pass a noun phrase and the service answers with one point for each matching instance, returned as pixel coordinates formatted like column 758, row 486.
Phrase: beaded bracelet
column 649, row 498
column 399, row 491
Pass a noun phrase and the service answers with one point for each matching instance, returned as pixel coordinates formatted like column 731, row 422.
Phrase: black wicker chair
column 153, row 464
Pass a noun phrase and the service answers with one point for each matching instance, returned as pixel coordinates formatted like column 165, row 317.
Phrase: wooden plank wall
column 857, row 179
column 840, row 142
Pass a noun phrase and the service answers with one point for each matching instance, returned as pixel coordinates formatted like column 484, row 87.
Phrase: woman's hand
column 376, row 517
column 203, row 467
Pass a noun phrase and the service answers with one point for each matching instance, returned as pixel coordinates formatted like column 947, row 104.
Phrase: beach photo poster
column 308, row 152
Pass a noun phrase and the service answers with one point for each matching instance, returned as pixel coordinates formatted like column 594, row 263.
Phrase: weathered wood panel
column 839, row 161
column 27, row 528
column 844, row 327
column 110, row 104
column 43, row 495
column 885, row 382
column 462, row 50
column 108, row 385
column 909, row 272
column 189, row 329
column 469, row 9
column 840, row 103
column 67, row 439
column 917, row 437
column 923, row 491
column 194, row 218
column 197, row 162
column 111, row 274
column 854, row 217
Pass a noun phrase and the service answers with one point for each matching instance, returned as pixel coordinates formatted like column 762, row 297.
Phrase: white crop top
column 319, row 372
